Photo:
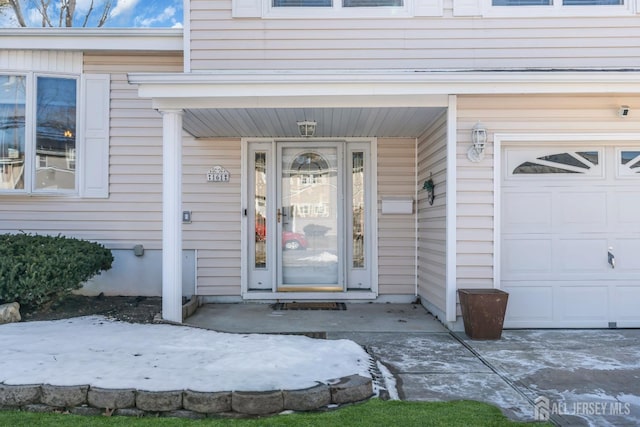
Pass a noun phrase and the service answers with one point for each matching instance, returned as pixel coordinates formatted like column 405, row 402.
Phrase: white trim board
column 235, row 89
column 313, row 296
column 92, row 39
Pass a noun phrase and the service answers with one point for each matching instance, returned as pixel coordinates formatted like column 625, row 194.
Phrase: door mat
column 309, row 306
column 316, row 335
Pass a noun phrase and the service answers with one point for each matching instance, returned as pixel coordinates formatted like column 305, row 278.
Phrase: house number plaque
column 218, row 174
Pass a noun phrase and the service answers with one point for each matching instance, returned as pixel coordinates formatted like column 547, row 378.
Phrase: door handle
column 279, row 215
column 611, row 258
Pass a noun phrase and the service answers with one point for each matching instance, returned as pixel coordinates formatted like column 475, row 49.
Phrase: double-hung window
column 337, row 8
column 13, row 98
column 542, row 8
column 38, row 134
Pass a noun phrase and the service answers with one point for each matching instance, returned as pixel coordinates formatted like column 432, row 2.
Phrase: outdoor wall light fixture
column 307, row 128
column 478, row 143
column 430, row 186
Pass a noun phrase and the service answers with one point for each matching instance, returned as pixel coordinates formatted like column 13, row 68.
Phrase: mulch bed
column 126, row 309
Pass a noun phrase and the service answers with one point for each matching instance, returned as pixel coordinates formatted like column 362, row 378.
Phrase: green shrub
column 36, row 270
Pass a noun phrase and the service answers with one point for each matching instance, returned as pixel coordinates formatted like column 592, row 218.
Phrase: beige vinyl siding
column 134, row 207
column 220, row 42
column 135, row 203
column 396, row 233
column 432, row 244
column 216, row 214
column 515, row 114
column 132, row 213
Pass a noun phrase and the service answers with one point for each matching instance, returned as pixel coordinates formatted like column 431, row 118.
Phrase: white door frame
column 345, row 295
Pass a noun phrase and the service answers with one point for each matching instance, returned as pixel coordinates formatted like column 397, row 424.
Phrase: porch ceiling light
column 307, row 128
column 478, row 143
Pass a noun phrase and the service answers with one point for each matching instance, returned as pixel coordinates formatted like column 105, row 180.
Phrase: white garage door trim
column 528, row 140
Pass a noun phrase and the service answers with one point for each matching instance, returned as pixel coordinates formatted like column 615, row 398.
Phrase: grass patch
column 374, row 412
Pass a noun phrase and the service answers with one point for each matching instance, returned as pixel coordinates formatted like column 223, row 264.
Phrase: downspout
column 186, row 36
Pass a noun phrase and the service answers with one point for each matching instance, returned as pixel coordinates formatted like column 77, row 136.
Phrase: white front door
column 316, row 197
column 571, row 236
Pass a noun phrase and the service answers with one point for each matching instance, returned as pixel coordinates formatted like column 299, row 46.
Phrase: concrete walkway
column 573, row 377
column 578, row 377
column 363, row 317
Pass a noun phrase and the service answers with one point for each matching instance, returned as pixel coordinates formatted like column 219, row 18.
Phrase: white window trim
column 246, row 229
column 513, row 156
column 556, row 9
column 85, row 157
column 263, row 9
column 337, row 11
column 31, row 142
column 622, row 171
column 31, row 159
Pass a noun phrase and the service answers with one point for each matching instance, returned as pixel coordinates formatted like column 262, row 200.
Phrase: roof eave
column 93, row 39
column 192, row 89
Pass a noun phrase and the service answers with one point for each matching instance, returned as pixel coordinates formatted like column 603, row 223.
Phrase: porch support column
column 172, row 215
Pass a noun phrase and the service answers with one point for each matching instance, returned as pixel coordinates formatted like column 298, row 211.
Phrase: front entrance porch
column 357, row 318
column 378, row 139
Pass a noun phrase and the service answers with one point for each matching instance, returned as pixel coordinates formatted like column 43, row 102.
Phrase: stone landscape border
column 88, row 400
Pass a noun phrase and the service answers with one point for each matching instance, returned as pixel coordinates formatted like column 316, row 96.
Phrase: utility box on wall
column 398, row 205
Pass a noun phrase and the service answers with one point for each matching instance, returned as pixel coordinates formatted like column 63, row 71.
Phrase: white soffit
column 360, row 102
column 408, row 122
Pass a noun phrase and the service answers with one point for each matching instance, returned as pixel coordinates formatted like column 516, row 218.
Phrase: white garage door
column 563, row 211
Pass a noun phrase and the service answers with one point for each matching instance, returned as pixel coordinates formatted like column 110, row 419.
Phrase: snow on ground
column 389, row 381
column 103, row 353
